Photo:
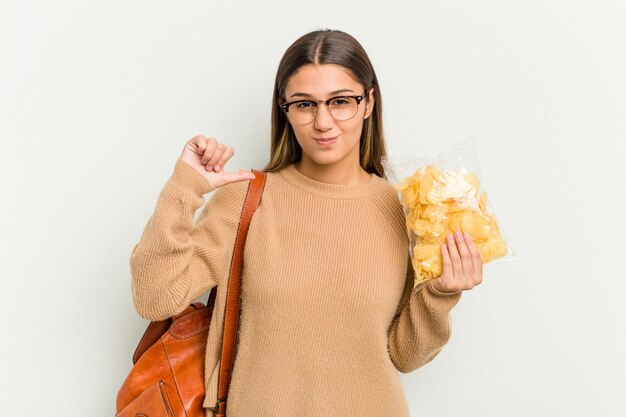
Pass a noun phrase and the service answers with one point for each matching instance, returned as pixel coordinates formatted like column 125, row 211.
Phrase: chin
column 325, row 160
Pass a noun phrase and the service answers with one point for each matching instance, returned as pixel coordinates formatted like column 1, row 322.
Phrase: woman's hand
column 462, row 264
column 208, row 157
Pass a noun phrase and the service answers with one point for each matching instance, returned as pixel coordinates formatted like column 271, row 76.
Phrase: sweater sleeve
column 421, row 327
column 177, row 260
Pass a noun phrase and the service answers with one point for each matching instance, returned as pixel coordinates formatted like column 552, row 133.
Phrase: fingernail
column 458, row 234
column 217, row 167
column 209, row 167
column 468, row 237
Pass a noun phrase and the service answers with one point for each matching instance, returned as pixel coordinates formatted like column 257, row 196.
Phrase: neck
column 340, row 173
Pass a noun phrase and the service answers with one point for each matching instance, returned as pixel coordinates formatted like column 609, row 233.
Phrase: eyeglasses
column 301, row 112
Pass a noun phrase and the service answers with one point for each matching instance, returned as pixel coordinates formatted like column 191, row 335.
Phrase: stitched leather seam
column 177, row 335
column 165, row 398
column 167, row 355
column 190, row 335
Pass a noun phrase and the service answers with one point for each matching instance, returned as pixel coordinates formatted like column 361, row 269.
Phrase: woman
column 329, row 311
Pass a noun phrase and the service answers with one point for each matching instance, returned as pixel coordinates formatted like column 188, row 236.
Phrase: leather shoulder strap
column 233, row 291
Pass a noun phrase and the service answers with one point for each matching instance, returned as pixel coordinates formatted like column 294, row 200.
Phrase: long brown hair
column 326, row 47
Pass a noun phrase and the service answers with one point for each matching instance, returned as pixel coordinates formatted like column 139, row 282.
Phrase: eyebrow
column 343, row 90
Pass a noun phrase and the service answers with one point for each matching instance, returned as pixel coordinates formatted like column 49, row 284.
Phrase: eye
column 304, row 105
column 339, row 101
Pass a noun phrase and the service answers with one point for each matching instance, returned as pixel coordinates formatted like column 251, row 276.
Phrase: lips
column 326, row 141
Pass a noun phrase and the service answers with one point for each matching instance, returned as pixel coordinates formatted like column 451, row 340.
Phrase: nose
column 323, row 120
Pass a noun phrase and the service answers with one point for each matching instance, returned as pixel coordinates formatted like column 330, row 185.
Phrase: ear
column 370, row 104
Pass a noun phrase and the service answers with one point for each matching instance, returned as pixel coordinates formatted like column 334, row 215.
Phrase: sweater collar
column 324, row 189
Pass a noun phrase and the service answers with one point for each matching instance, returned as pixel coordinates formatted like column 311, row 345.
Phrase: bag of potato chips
column 440, row 196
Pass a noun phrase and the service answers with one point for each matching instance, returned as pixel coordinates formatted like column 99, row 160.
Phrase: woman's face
column 321, row 82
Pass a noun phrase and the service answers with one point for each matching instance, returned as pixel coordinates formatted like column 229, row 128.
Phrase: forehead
column 319, row 80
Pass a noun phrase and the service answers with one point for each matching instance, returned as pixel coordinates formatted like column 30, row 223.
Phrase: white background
column 98, row 98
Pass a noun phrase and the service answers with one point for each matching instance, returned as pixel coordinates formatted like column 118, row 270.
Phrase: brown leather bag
column 167, row 379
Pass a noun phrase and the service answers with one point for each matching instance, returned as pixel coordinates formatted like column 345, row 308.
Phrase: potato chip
column 435, row 213
column 476, row 225
column 427, row 262
column 439, row 202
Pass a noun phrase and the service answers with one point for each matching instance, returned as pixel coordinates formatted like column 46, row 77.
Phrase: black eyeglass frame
column 285, row 106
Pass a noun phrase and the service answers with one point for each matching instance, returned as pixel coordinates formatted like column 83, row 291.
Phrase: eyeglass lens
column 341, row 108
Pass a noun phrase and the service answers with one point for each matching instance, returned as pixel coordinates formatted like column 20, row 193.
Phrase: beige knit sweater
column 329, row 310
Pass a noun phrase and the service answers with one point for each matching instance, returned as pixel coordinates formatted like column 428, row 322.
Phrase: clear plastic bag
column 440, row 196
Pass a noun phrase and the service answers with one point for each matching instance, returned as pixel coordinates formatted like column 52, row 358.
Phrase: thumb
column 242, row 175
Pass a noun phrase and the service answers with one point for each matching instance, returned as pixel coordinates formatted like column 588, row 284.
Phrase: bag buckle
column 216, row 408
